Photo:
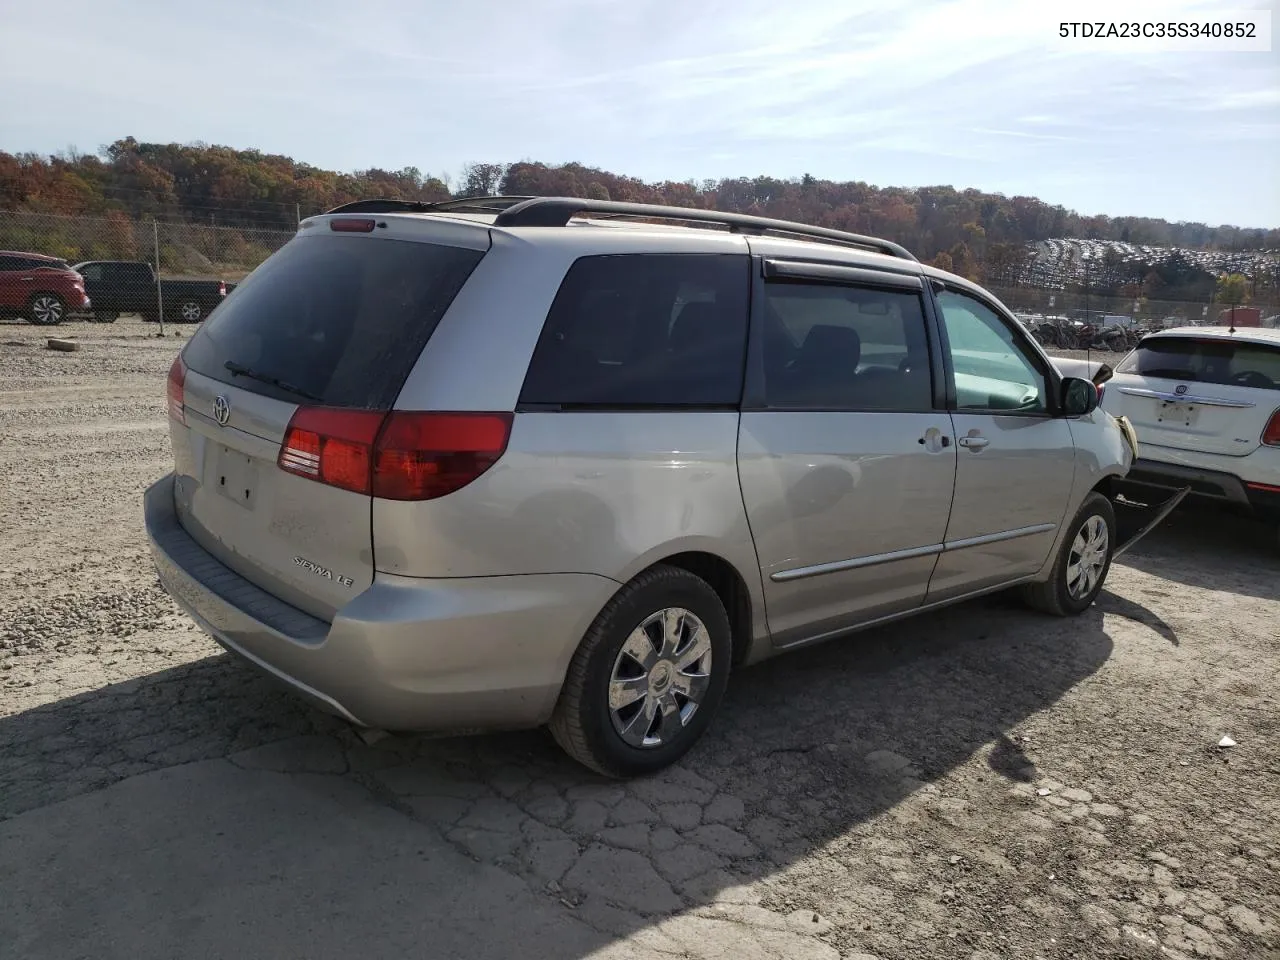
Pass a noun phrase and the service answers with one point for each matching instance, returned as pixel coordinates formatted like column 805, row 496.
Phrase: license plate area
column 233, row 475
column 1178, row 414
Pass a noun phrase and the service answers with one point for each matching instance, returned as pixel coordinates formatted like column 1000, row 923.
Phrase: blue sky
column 973, row 93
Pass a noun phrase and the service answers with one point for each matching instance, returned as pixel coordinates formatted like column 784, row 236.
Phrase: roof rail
column 557, row 211
column 464, row 204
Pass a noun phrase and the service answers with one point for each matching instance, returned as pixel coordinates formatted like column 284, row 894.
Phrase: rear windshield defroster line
column 339, row 320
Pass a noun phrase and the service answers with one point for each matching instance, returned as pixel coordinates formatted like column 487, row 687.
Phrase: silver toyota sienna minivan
column 507, row 462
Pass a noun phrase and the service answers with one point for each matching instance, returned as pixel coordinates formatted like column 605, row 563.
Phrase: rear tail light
column 177, row 380
column 1271, row 433
column 421, row 456
column 332, row 446
column 222, row 288
column 396, row 456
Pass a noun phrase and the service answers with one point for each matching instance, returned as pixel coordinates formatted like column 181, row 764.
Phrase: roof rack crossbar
column 558, row 211
column 484, row 204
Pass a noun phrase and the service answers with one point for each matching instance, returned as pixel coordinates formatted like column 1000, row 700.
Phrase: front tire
column 46, row 310
column 648, row 676
column 1084, row 559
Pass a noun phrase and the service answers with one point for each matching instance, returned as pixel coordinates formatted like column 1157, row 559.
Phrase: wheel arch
column 1105, row 484
column 743, row 604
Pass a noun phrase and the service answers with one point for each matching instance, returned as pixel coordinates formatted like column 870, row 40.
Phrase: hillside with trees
column 985, row 236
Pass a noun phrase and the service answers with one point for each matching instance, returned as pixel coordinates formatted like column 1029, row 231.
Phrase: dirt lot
column 975, row 784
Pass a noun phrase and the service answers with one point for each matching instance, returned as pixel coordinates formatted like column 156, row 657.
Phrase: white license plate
column 1177, row 413
column 234, row 475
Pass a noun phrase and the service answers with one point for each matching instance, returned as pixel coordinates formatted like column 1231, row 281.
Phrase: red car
column 44, row 290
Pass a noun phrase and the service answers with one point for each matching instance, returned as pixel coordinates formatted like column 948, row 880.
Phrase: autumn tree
column 982, row 234
column 482, row 179
column 1005, row 262
column 1233, row 289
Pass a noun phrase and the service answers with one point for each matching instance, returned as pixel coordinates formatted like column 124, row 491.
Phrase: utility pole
column 155, row 230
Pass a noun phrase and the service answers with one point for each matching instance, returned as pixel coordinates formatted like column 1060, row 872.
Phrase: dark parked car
column 124, row 286
column 43, row 289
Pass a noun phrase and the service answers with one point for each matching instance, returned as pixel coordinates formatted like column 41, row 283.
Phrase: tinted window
column 48, row 264
column 644, row 330
column 992, row 366
column 1206, row 361
column 128, row 272
column 91, row 271
column 845, row 348
column 10, row 263
column 341, row 318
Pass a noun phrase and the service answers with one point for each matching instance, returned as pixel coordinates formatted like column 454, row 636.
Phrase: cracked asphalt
column 979, row 783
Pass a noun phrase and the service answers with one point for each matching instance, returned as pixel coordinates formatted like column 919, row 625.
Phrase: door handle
column 28, row 279
column 973, row 443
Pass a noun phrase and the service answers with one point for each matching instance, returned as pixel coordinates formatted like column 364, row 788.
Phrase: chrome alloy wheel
column 660, row 677
column 1088, row 557
column 47, row 310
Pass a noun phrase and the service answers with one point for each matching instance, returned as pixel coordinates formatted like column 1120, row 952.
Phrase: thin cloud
column 978, row 93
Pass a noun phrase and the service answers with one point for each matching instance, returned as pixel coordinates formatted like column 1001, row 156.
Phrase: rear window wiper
column 240, row 370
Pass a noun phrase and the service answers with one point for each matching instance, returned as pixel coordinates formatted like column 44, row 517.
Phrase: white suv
column 1206, row 405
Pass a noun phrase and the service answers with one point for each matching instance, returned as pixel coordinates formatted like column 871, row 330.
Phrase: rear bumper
column 476, row 653
column 1207, row 484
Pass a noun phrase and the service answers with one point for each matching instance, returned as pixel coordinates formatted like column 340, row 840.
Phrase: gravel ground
column 980, row 783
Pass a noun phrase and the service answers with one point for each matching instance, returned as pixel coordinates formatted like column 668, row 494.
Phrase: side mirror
column 1079, row 397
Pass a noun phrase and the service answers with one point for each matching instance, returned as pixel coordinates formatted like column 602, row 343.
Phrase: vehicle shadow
column 1206, row 546
column 809, row 749
column 1109, row 602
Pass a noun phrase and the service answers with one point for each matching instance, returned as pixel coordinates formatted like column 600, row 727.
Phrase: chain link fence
column 1077, row 318
column 177, row 249
column 1060, row 301
column 181, row 260
column 1104, row 295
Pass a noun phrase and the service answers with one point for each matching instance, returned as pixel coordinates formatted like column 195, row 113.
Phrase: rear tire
column 46, row 310
column 106, row 316
column 189, row 311
column 679, row 617
column 1083, row 562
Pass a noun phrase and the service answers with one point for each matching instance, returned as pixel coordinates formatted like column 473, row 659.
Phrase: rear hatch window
column 333, row 320
column 1211, row 361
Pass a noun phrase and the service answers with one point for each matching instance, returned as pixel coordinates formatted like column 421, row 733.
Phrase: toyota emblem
column 1180, row 389
column 221, row 410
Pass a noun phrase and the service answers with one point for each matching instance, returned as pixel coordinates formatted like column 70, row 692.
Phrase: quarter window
column 644, row 330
